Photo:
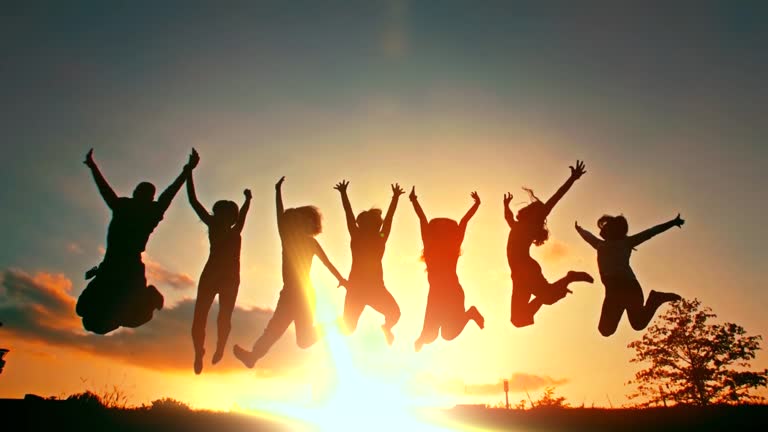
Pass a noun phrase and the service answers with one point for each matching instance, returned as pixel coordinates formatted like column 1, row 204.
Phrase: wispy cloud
column 40, row 308
column 518, row 382
column 159, row 275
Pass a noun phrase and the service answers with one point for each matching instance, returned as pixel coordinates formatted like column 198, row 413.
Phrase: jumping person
column 442, row 237
column 527, row 278
column 221, row 274
column 622, row 290
column 118, row 295
column 368, row 237
column 298, row 228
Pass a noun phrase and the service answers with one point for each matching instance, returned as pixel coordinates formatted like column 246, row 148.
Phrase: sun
column 351, row 398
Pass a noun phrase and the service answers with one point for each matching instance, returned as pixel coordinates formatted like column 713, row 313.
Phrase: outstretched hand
column 678, row 222
column 247, row 194
column 279, row 183
column 412, row 195
column 397, row 190
column 507, row 198
column 194, row 159
column 475, row 197
column 578, row 171
column 342, row 186
column 89, row 159
column 576, row 225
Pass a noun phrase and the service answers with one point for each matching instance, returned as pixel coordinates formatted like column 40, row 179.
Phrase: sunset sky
column 665, row 103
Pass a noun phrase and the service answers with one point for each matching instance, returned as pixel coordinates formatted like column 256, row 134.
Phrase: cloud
column 40, row 308
column 554, row 250
column 518, row 382
column 159, row 275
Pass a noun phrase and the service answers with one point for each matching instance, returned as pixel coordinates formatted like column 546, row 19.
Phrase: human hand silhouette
column 194, row 159
column 412, row 195
column 342, row 186
column 89, row 159
column 397, row 190
column 475, row 197
column 678, row 222
column 279, row 183
column 247, row 194
column 578, row 171
column 507, row 198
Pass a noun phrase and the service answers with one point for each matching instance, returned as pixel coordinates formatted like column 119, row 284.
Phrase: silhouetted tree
column 549, row 400
column 691, row 361
column 169, row 404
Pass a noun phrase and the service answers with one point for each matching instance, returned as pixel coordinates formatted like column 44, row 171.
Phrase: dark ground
column 59, row 415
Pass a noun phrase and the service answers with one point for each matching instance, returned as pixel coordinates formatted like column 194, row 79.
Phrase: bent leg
column 457, row 318
column 613, row 307
column 385, row 304
column 640, row 315
column 521, row 311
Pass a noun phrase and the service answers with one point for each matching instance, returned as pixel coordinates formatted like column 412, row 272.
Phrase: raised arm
column 471, row 212
column 508, row 215
column 243, row 211
column 324, row 258
column 202, row 213
column 576, row 173
column 423, row 222
column 643, row 236
column 279, row 203
column 109, row 195
column 165, row 198
column 350, row 215
column 387, row 225
column 587, row 236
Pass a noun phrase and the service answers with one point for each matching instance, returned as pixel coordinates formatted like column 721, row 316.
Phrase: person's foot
column 157, row 298
column 388, row 335
column 580, row 276
column 475, row 315
column 217, row 356
column 418, row 345
column 246, row 357
column 658, row 298
column 199, row 361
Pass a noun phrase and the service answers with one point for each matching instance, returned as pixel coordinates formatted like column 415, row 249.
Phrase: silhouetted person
column 298, row 228
column 442, row 237
column 368, row 237
column 221, row 274
column 622, row 290
column 527, row 278
column 118, row 295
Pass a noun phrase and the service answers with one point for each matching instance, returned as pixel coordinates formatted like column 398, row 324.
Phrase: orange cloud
column 159, row 275
column 41, row 308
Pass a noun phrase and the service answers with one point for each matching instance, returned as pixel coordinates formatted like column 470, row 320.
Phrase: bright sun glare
column 354, row 400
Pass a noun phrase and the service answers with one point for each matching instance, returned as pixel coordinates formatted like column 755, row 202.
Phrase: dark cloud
column 40, row 308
